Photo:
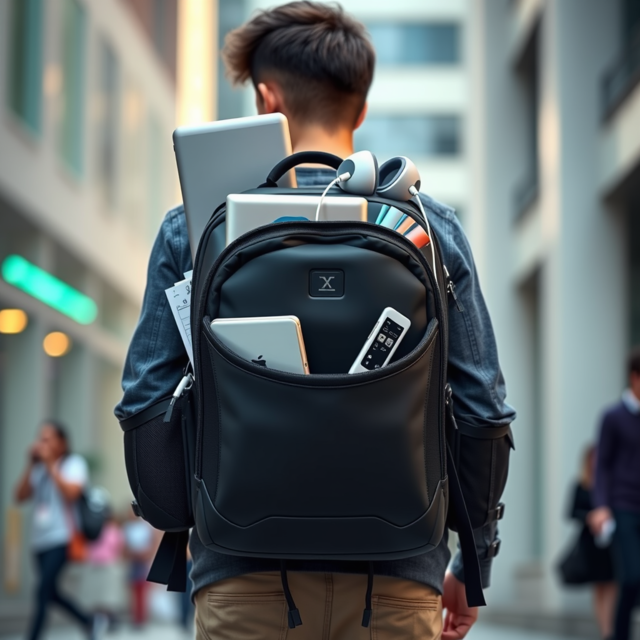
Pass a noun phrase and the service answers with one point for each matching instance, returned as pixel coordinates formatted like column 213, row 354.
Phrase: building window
column 25, row 69
column 436, row 136
column 231, row 100
column 108, row 109
column 631, row 20
column 410, row 44
column 531, row 358
column 620, row 80
column 72, row 84
column 528, row 83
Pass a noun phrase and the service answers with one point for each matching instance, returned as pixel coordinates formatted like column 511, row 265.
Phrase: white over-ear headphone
column 359, row 174
column 396, row 179
column 362, row 168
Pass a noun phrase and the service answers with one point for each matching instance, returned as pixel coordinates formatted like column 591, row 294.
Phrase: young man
column 617, row 493
column 313, row 63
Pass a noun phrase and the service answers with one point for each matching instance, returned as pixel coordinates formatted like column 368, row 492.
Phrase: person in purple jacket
column 617, row 493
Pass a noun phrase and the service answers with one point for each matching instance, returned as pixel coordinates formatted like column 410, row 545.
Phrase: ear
column 362, row 116
column 269, row 98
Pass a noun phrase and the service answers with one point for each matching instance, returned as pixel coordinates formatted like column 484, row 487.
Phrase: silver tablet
column 248, row 211
column 228, row 156
column 271, row 341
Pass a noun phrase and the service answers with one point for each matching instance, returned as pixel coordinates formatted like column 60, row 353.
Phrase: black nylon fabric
column 355, row 538
column 316, row 456
column 490, row 460
column 348, row 453
column 236, row 259
column 334, row 329
column 155, row 460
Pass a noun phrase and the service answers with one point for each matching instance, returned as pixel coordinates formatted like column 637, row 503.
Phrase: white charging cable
column 416, row 195
column 341, row 178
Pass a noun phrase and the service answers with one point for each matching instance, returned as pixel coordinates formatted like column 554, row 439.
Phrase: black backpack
column 328, row 465
column 93, row 512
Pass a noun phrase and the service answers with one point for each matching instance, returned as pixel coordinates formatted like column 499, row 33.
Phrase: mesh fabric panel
column 160, row 464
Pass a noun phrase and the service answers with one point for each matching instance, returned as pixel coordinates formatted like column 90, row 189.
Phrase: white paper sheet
column 179, row 297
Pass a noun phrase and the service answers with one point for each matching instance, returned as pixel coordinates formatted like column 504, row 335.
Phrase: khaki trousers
column 253, row 607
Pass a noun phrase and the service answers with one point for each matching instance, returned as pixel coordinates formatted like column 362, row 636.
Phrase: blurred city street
column 164, row 632
column 150, row 632
column 522, row 116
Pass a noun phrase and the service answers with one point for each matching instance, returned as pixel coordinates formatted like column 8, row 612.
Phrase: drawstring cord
column 366, row 616
column 294, row 615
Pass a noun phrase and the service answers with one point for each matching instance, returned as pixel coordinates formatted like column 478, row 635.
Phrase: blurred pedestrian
column 105, row 585
column 140, row 546
column 617, row 494
column 54, row 479
column 587, row 562
column 187, row 610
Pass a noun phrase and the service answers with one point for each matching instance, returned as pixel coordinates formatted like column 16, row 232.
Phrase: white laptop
column 218, row 158
column 249, row 211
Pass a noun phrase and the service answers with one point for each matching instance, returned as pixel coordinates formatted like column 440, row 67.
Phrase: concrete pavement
column 490, row 632
column 169, row 632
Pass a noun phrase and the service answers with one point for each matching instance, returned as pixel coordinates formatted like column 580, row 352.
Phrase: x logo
column 327, row 283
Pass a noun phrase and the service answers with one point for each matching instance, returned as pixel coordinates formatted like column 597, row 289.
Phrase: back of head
column 633, row 361
column 320, row 57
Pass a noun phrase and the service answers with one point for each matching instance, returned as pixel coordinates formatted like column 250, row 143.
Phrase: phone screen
column 384, row 342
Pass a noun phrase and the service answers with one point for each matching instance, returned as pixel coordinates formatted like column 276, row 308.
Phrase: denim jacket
column 157, row 357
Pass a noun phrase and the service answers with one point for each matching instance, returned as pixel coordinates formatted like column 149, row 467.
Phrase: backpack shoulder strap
column 472, row 579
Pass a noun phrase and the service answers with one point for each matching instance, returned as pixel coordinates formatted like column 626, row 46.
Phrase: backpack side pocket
column 157, row 465
column 481, row 457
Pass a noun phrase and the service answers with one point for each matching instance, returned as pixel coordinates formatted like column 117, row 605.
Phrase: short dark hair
column 633, row 361
column 321, row 57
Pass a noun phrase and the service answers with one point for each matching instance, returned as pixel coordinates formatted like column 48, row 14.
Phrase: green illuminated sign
column 48, row 289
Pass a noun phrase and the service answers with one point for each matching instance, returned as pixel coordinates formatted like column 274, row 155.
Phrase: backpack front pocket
column 277, row 447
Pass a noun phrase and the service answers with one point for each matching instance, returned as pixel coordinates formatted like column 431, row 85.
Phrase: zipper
column 216, row 217
column 451, row 289
column 184, row 384
column 451, row 428
column 305, row 228
column 448, row 399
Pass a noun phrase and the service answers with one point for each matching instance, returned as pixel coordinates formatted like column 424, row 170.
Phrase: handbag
column 585, row 563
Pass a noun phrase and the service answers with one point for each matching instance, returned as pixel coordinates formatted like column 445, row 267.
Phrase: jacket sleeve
column 478, row 387
column 156, row 355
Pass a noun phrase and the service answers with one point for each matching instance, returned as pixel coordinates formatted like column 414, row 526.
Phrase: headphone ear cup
column 396, row 177
column 363, row 167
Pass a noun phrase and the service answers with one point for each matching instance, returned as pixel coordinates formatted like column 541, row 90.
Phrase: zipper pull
column 451, row 289
column 448, row 400
column 185, row 383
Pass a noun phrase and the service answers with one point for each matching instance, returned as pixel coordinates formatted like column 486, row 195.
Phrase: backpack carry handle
column 302, row 157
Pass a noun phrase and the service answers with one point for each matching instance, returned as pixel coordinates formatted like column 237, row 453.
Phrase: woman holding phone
column 53, row 479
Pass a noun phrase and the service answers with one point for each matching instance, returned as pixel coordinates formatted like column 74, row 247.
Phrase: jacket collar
column 631, row 402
